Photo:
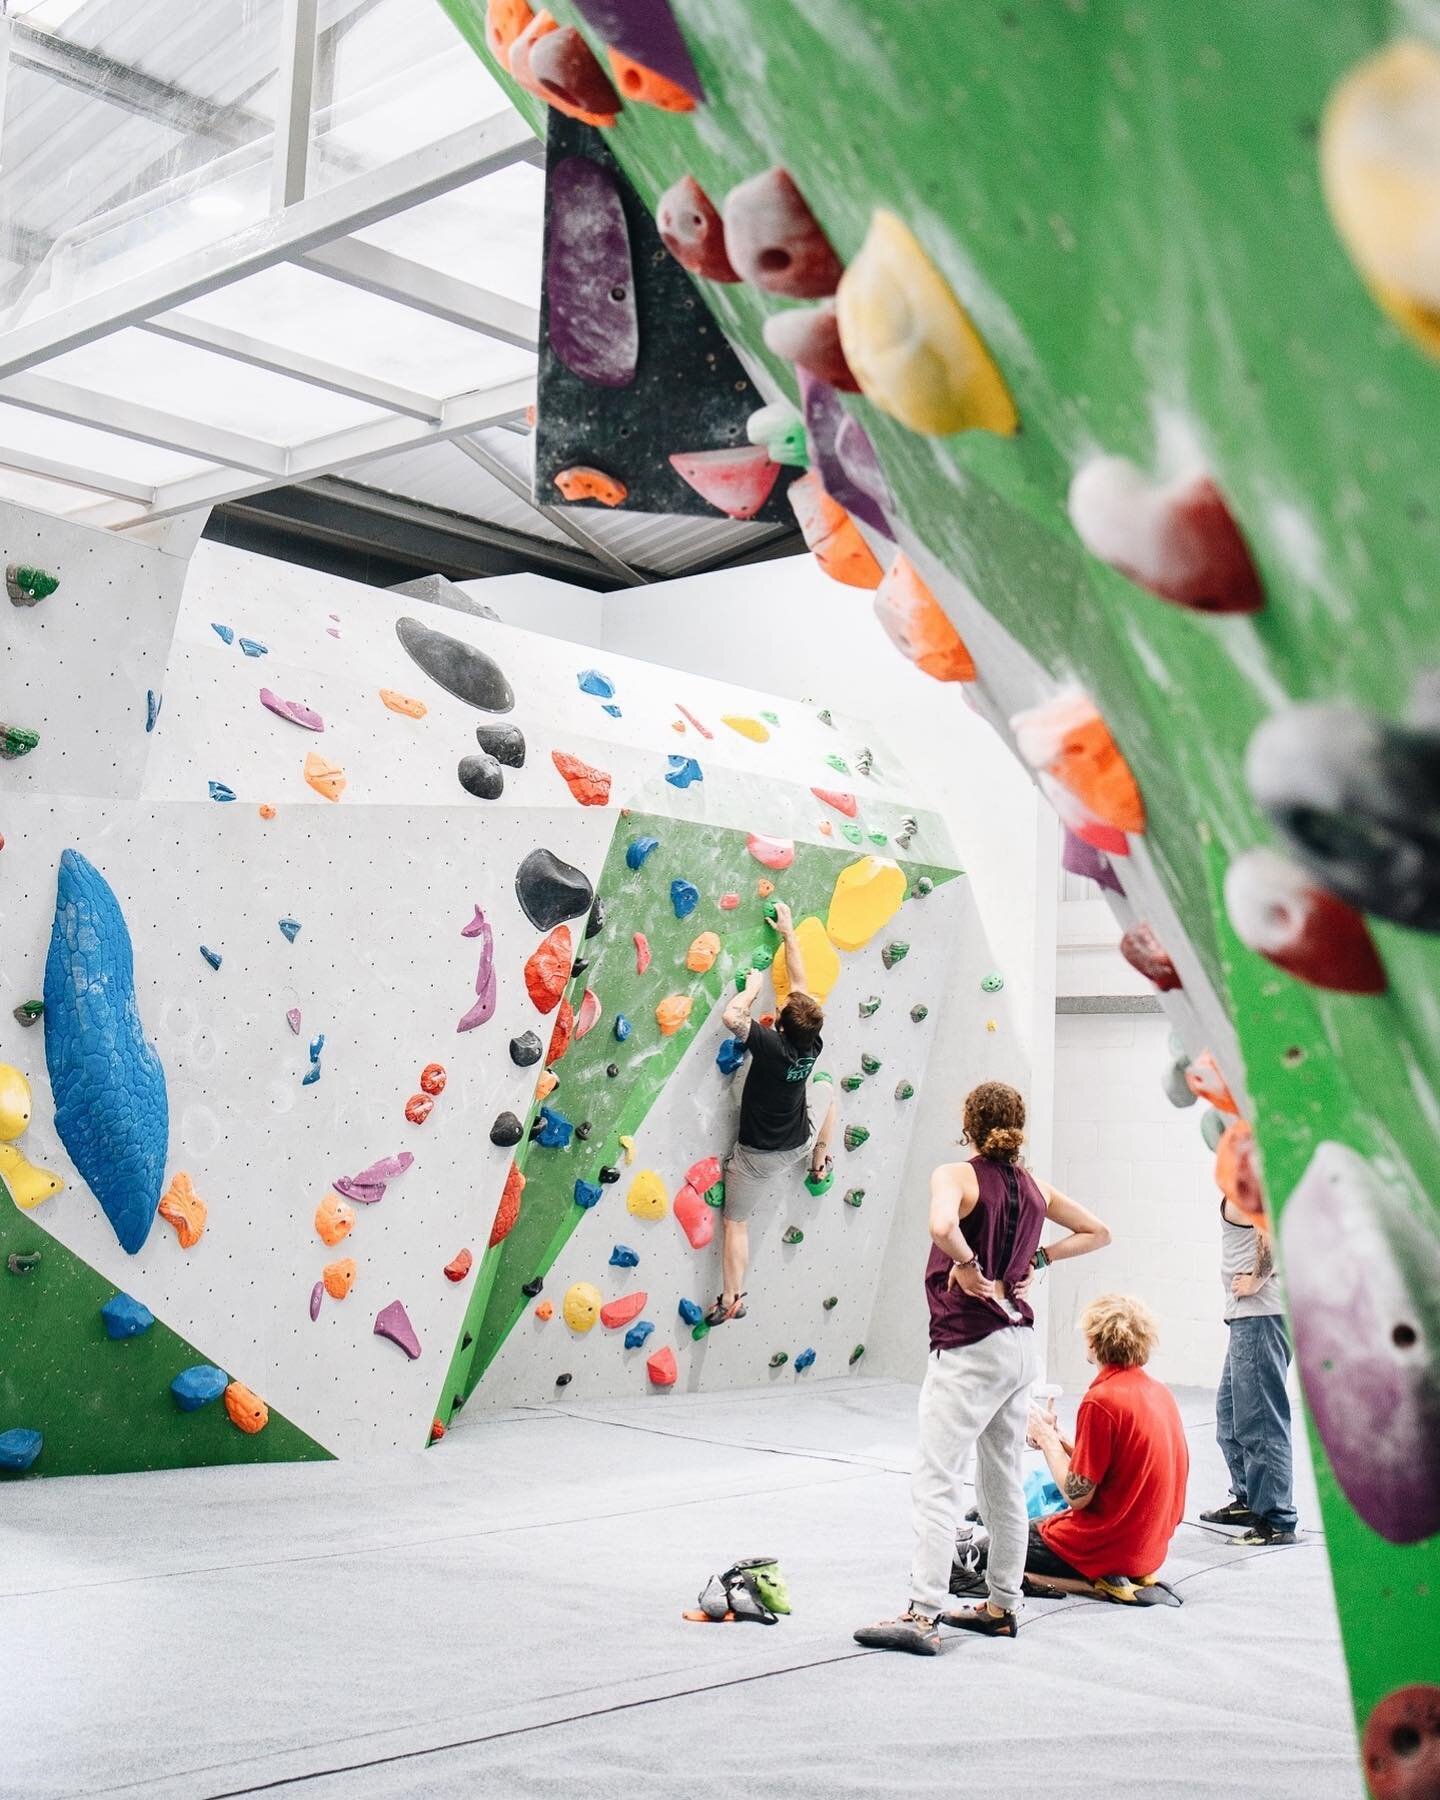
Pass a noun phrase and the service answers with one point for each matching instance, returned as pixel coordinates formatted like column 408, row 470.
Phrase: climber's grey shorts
column 758, row 1181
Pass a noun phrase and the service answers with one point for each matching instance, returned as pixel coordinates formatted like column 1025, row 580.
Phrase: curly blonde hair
column 995, row 1120
column 1120, row 1330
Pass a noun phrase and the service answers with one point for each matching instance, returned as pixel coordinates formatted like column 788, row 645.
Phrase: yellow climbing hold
column 1380, row 169
column 911, row 344
column 702, row 953
column 14, row 1103
column 627, row 1144
column 754, row 729
column 581, row 1306
column 28, row 1184
column 822, row 965
column 648, row 1197
column 867, row 896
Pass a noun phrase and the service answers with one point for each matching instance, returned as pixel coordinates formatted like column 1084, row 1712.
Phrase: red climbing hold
column 459, row 1266
column 695, row 1218
column 661, row 1368
column 554, row 63
column 418, row 1108
column 832, row 535
column 775, row 853
column 809, row 337
column 775, row 241
column 623, row 1312
column 508, row 1210
column 704, row 1174
column 844, row 803
column 691, row 231
column 589, row 1014
column 589, row 785
column 728, row 902
column 437, row 1431
column 548, row 969
column 1281, row 912
column 1144, row 952
column 642, row 953
column 432, row 1078
column 560, row 1037
column 736, row 482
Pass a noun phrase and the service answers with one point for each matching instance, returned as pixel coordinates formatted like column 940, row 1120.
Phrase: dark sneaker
column 1232, row 1513
column 1263, row 1532
column 912, row 1631
column 981, row 1619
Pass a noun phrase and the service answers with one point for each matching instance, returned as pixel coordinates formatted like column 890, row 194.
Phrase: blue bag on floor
column 1042, row 1497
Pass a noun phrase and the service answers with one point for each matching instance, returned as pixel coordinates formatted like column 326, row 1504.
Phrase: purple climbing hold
column 590, row 287
column 295, row 711
column 824, row 415
column 485, row 988
column 861, row 465
column 368, row 1186
column 645, row 31
column 1080, row 858
column 393, row 1322
column 317, row 1294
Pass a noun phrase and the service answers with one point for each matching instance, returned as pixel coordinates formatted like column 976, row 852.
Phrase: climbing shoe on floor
column 980, row 1619
column 722, row 1312
column 1232, row 1513
column 1130, row 1590
column 753, row 1589
column 912, row 1631
column 1263, row 1532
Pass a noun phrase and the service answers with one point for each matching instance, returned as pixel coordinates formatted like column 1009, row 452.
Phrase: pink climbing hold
column 696, row 1217
column 295, row 711
column 728, row 902
column 844, row 803
column 292, row 1019
column 368, row 1187
column 393, row 1322
column 642, row 953
column 704, row 730
column 616, row 1313
column 736, row 482
column 589, row 1014
column 691, row 231
column 774, row 853
column 775, row 241
column 477, row 926
column 809, row 337
column 661, row 1368
column 704, row 1174
column 485, row 986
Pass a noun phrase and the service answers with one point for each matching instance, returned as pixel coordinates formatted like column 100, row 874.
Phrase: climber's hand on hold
column 783, row 921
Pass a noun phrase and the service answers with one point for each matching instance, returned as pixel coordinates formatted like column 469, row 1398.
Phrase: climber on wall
column 774, row 1139
column 986, row 1217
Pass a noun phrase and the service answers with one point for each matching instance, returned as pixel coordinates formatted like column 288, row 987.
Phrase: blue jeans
column 1252, row 1419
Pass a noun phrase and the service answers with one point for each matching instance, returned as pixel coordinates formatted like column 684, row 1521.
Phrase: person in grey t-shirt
column 1252, row 1409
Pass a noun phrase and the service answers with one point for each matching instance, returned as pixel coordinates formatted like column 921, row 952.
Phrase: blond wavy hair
column 1120, row 1330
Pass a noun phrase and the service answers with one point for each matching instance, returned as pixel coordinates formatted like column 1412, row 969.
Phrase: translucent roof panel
column 489, row 233
column 88, row 448
column 46, row 495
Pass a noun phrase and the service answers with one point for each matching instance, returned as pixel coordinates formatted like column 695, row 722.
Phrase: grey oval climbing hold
column 506, row 743
column 563, row 1380
column 1212, row 1127
column 593, row 324
column 481, row 776
column 22, row 1262
column 506, row 1130
column 462, row 670
column 919, row 1013
column 526, row 1049
column 1177, row 1089
column 551, row 891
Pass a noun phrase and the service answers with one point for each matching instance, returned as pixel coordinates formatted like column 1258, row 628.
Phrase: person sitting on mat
column 986, row 1217
column 1123, row 1476
column 773, row 1142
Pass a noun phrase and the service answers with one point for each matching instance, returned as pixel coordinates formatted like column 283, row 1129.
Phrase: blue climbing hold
column 220, row 790
column 213, row 957
column 640, row 848
column 198, row 1385
column 691, row 1312
column 587, row 1194
column 224, row 632
column 684, row 770
column 251, row 648
column 622, row 1028
column 614, row 711
column 317, row 1044
column 125, row 1317
column 803, row 1361
column 730, row 1055
column 684, row 897
column 623, row 1257
column 311, row 1076
column 593, row 682
column 111, row 1110
column 19, row 1448
column 152, row 708
column 637, row 1334
column 555, row 1130
column 291, row 929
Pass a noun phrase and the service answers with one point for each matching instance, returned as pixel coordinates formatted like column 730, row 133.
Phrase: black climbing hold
column 462, row 670
column 612, row 1070
column 506, row 743
column 856, row 1354
column 481, row 776
column 793, row 1235
column 595, row 924
column 609, row 1174
column 537, row 1125
column 583, row 1130
column 506, row 1130
column 578, row 967
column 20, row 1262
column 532, row 1287
column 551, row 891
column 563, row 1380
column 832, row 1303
column 526, row 1049
column 779, row 1359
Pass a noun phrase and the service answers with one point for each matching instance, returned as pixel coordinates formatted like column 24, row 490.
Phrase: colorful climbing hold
column 701, row 955
column 554, row 63
column 672, row 1013
column 746, row 727
column 831, row 535
column 587, row 1193
column 870, row 1064
column 560, row 1037
column 854, row 1196
column 855, row 1136
column 1237, row 1168
column 334, row 1219
column 779, row 1359
column 29, row 1012
column 856, row 1354
column 894, row 953
column 822, row 965
column 225, row 633
column 616, row 1313
column 648, row 1197
column 866, row 896
column 736, row 482
column 844, row 803
column 1144, row 952
column 781, row 430
column 684, row 897
column 27, row 586
column 691, row 231
column 1070, row 742
column 623, row 1257
column 252, row 647
column 661, row 1368
column 554, row 1130
column 213, row 957
column 220, row 791
column 459, row 1266
column 327, row 778
column 125, row 1317
column 589, row 785
column 803, row 1361
column 393, row 1322
column 730, row 1055
column 403, row 703
column 684, row 770
column 339, row 1277
column 1400, row 1750
column 792, row 1235
column 508, row 1211
column 904, row 1090
column 992, row 983
column 1283, row 914
column 183, row 1208
column 198, row 1385
column 418, row 1108
column 19, row 1448
column 296, row 711
column 918, row 625
column 548, row 969
column 581, row 1306
column 851, row 1083
column 774, row 240
column 695, row 1218
column 584, row 482
column 638, row 849
column 809, row 337
column 1205, row 1081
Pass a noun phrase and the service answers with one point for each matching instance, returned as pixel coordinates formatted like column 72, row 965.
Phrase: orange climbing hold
column 1237, row 1168
column 508, row 1210
column 1203, row 1078
column 548, row 969
column 245, row 1409
column 642, row 953
column 327, row 778
column 560, row 1037
column 661, row 1368
column 334, row 1219
column 917, row 625
column 546, row 1085
column 553, row 62
column 763, row 887
column 432, row 1078
column 832, row 535
column 339, row 1277
column 418, row 1108
column 437, row 1430
column 545, row 1311
column 584, row 483
column 1069, row 740
column 636, row 82
column 459, row 1266
column 672, row 1012
column 504, row 21
column 616, row 1313
column 702, row 953
column 402, row 703
column 844, row 803
column 267, row 811
column 183, row 1208
column 589, row 785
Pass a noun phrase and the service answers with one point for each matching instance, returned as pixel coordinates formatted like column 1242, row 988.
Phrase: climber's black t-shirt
column 772, row 1105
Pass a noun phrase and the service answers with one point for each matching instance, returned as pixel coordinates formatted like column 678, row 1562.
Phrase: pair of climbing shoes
column 753, row 1589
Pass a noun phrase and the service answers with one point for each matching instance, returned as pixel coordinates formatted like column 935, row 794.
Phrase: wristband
column 1041, row 1259
column 973, row 1263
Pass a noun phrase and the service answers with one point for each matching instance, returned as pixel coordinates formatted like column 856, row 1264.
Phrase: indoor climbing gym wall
column 351, row 1041
column 1117, row 339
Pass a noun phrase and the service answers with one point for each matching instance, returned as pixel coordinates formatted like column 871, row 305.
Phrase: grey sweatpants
column 974, row 1398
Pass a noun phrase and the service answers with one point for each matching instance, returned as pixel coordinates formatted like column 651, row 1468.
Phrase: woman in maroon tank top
column 986, row 1217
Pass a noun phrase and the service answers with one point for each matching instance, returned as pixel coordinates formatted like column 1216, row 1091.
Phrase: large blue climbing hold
column 684, row 770
column 803, row 1361
column 639, row 849
column 593, row 682
column 19, row 1448
column 111, row 1110
column 587, row 1194
column 623, row 1257
column 622, row 1028
column 690, row 1312
column 684, row 897
column 730, row 1055
column 637, row 1334
column 125, row 1317
column 555, row 1130
column 198, row 1385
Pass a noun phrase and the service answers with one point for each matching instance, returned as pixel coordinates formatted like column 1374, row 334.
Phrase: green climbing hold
column 824, row 716
column 770, row 913
column 28, row 1011
column 993, row 982
column 699, row 1331
column 851, row 1082
column 832, row 1303
column 919, row 1013
column 880, row 837
column 869, row 1008
column 822, row 1183
column 870, row 1064
column 782, row 431
column 715, row 1196
column 855, row 1136
column 15, row 740
column 27, row 586
column 904, row 1090
column 923, row 887
column 853, row 833
column 762, row 958
column 854, row 1196
column 793, row 1235
column 770, row 718
column 822, row 1075
column 21, row 1262
column 893, row 953
column 838, row 763
column 856, row 1354
column 741, row 978
column 779, row 1359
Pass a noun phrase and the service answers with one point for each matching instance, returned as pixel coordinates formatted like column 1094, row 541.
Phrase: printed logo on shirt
column 800, row 1069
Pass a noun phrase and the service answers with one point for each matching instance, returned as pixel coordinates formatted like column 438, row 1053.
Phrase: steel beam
column 290, row 158
column 147, row 424
column 26, row 462
column 552, row 515
column 415, row 284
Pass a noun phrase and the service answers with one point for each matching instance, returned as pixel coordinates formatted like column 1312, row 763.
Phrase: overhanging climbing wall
column 355, row 883
column 1137, row 317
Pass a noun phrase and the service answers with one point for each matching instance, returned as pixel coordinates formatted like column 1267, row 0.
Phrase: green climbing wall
column 1127, row 200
